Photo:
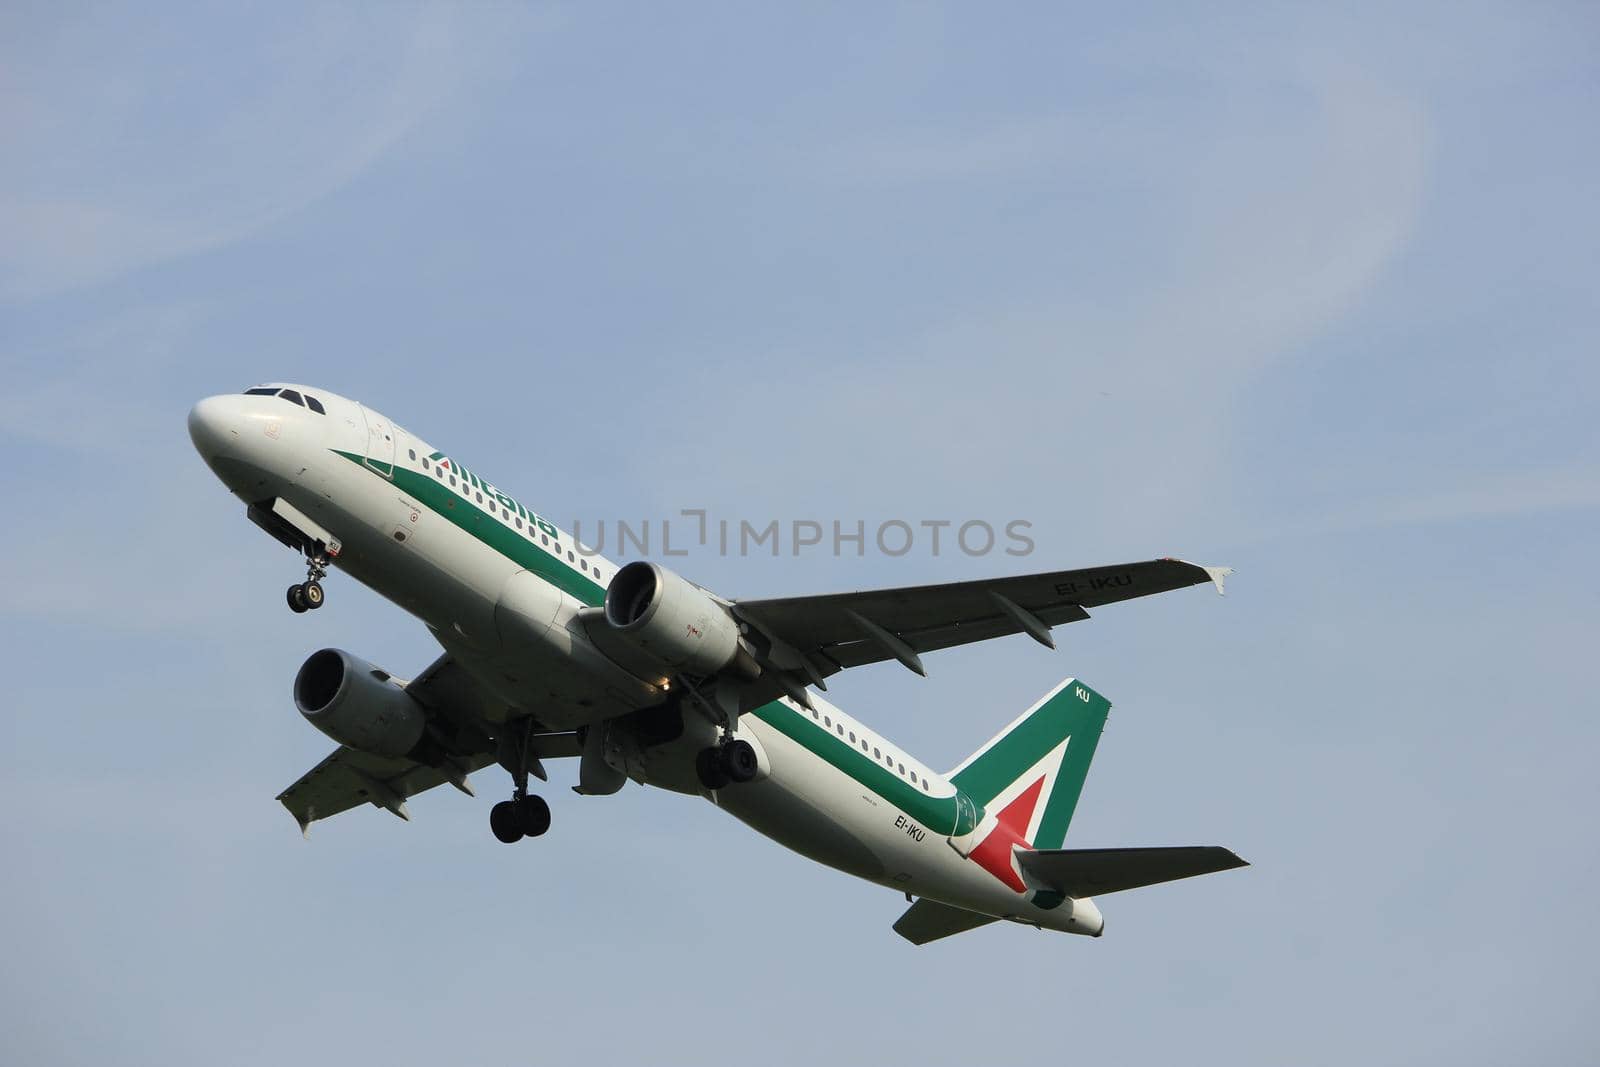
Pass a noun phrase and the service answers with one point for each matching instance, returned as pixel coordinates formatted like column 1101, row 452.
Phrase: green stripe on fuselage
column 487, row 527
column 939, row 814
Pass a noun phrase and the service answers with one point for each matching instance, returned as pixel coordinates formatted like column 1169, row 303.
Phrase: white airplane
column 639, row 673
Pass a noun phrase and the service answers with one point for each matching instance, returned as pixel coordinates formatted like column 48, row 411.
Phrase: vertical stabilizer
column 1032, row 772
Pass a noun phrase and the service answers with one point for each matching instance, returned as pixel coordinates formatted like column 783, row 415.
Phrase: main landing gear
column 521, row 816
column 525, row 814
column 732, row 761
column 307, row 596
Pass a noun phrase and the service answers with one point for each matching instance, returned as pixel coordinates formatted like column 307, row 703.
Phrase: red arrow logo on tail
column 993, row 853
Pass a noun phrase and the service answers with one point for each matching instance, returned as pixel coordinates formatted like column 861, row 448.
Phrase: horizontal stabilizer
column 928, row 920
column 1089, row 872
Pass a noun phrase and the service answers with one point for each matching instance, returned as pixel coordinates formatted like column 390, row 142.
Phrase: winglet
column 1217, row 574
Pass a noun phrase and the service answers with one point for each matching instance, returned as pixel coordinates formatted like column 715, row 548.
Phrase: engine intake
column 673, row 620
column 358, row 705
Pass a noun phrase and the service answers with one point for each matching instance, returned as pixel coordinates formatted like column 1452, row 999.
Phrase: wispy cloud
column 128, row 151
column 93, row 391
column 1278, row 230
column 936, row 153
column 1499, row 495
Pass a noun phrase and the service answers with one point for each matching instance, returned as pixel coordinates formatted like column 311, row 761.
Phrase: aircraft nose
column 213, row 425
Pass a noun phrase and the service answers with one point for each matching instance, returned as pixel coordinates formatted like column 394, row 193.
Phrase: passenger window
column 479, row 496
column 452, row 481
column 827, row 721
column 876, row 754
column 852, row 737
column 902, row 770
column 519, row 523
column 314, row 404
column 570, row 557
column 544, row 539
column 292, row 397
column 412, row 453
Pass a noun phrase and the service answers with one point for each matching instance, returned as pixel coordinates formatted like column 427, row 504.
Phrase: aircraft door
column 380, row 442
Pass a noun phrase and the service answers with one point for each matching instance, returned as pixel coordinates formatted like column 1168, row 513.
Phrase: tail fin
column 1033, row 770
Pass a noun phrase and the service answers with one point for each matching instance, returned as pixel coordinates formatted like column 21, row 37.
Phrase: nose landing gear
column 308, row 596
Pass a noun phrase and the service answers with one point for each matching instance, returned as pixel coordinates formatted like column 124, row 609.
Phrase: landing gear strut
column 307, row 596
column 525, row 814
column 729, row 762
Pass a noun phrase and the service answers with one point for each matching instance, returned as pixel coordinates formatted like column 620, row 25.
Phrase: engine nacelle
column 673, row 620
column 358, row 704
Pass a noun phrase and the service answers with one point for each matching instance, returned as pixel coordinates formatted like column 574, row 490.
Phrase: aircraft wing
column 811, row 637
column 348, row 778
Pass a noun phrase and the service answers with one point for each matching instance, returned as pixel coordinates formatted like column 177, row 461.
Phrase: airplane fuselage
column 505, row 590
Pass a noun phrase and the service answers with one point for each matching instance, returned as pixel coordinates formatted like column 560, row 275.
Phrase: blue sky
column 1306, row 292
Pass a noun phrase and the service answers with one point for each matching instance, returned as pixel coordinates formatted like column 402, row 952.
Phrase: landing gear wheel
column 738, row 760
column 533, row 815
column 308, row 596
column 708, row 765
column 504, row 820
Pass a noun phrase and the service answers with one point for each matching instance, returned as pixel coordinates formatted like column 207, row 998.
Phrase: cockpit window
column 314, row 404
column 262, row 390
column 292, row 397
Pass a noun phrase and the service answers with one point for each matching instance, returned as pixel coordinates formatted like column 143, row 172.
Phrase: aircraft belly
column 508, row 626
column 805, row 805
column 430, row 575
column 817, row 810
column 779, row 811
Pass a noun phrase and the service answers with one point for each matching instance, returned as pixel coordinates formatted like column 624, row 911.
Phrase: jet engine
column 674, row 621
column 357, row 704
